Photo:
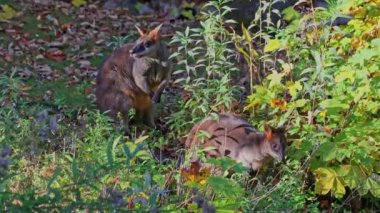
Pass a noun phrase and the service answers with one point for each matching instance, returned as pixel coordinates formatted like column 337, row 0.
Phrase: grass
column 67, row 156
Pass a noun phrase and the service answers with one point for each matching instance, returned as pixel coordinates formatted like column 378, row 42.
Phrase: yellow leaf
column 7, row 12
column 17, row 202
column 287, row 68
column 246, row 34
column 293, row 87
column 278, row 103
column 339, row 190
column 324, row 180
column 141, row 139
column 78, row 3
column 195, row 173
column 275, row 78
column 253, row 104
column 341, row 76
column 272, row 45
column 328, row 180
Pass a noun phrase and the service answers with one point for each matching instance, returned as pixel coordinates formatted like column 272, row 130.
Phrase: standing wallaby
column 234, row 137
column 134, row 76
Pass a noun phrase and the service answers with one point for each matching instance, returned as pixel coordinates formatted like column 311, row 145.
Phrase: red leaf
column 56, row 55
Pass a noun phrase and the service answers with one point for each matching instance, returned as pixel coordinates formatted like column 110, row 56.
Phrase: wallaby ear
column 140, row 31
column 154, row 34
column 268, row 132
column 281, row 129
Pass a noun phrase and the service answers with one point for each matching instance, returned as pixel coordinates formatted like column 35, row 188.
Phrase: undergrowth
column 319, row 81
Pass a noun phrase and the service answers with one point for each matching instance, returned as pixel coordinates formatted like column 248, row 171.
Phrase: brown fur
column 234, row 137
column 134, row 76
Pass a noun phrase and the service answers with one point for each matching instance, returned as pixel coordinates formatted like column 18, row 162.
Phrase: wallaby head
column 274, row 142
column 147, row 44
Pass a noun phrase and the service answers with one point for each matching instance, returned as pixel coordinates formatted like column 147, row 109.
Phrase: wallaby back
column 234, row 137
column 134, row 76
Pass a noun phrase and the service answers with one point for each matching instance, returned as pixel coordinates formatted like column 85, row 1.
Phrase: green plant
column 118, row 41
column 325, row 92
column 205, row 63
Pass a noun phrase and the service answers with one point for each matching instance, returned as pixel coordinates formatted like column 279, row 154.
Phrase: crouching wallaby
column 134, row 76
column 234, row 137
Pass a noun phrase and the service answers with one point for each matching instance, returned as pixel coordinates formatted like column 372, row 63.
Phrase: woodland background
column 268, row 62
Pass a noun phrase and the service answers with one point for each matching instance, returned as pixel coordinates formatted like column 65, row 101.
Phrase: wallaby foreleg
column 142, row 83
column 157, row 95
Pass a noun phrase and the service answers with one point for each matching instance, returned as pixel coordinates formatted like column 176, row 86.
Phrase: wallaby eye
column 275, row 146
column 147, row 44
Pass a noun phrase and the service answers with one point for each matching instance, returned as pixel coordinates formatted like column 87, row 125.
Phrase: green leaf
column 7, row 13
column 333, row 103
column 224, row 186
column 290, row 14
column 227, row 163
column 272, row 45
column 348, row 74
column 373, row 183
column 275, row 78
column 328, row 151
column 74, row 169
column 246, row 35
column 78, row 3
column 300, row 103
column 352, row 175
column 293, row 87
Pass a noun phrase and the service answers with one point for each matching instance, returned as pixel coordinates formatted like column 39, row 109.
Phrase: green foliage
column 205, row 65
column 118, row 41
column 321, row 82
column 78, row 3
column 326, row 92
column 7, row 12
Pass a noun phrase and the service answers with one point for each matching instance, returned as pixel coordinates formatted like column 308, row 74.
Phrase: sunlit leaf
column 195, row 174
column 272, row 45
column 327, row 180
column 275, row 78
column 278, row 103
column 341, row 76
column 7, row 12
column 290, row 14
column 293, row 87
column 78, row 3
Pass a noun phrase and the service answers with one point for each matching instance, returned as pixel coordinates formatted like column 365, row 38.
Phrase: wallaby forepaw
column 156, row 99
column 165, row 64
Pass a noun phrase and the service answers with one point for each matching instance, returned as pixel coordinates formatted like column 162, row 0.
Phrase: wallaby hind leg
column 125, row 104
column 126, row 126
column 148, row 117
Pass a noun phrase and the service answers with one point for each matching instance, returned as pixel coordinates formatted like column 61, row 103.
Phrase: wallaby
column 234, row 137
column 134, row 76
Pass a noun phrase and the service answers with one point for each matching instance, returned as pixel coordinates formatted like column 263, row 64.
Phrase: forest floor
column 57, row 49
column 49, row 58
column 57, row 151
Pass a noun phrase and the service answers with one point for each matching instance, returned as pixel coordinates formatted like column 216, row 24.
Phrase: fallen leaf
column 84, row 64
column 195, row 173
column 78, row 3
column 278, row 103
column 55, row 54
column 7, row 12
column 55, row 44
column 47, row 172
column 113, row 180
column 17, row 202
